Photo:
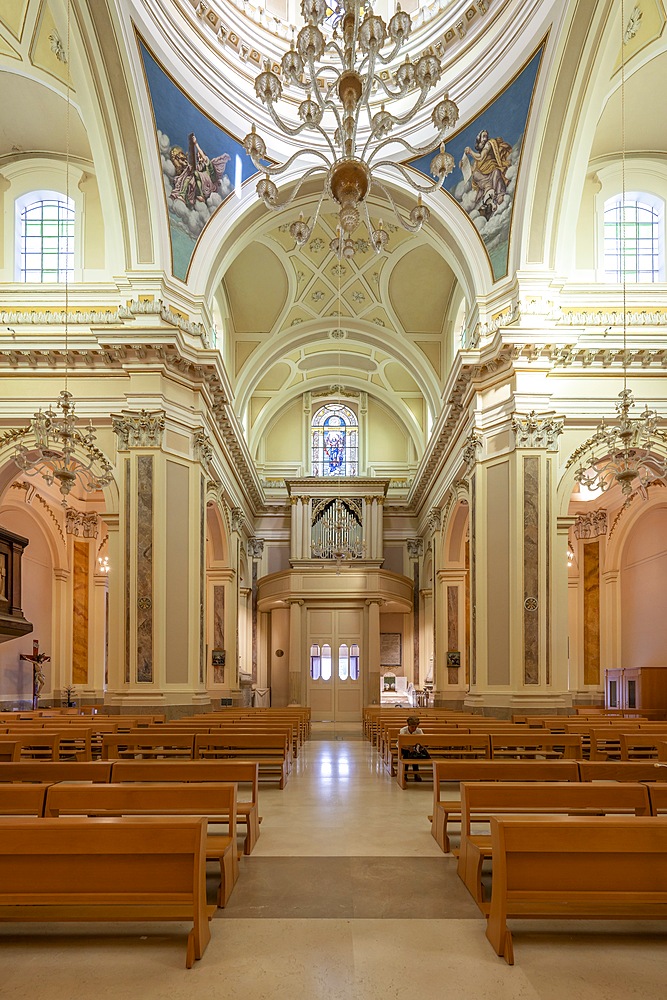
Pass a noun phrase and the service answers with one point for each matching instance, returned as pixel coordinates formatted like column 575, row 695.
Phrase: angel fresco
column 488, row 172
column 197, row 176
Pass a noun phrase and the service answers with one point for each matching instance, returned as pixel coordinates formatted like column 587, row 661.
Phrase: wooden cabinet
column 636, row 687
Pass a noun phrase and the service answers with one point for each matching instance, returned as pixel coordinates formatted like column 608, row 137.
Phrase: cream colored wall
column 283, row 441
column 388, row 443
column 644, row 592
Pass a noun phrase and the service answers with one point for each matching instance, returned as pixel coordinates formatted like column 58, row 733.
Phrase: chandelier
column 47, row 446
column 338, row 75
column 628, row 446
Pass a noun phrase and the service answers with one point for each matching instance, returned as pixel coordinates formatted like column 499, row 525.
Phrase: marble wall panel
column 592, row 612
column 202, row 580
column 218, row 631
column 531, row 570
column 452, row 630
column 547, row 557
column 473, row 585
column 498, row 573
column 178, row 584
column 80, row 611
column 253, row 623
column 144, row 569
column 127, row 566
column 415, row 626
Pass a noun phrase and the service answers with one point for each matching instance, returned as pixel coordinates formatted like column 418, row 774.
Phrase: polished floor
column 346, row 897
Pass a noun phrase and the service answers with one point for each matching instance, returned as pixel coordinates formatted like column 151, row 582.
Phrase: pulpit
column 13, row 622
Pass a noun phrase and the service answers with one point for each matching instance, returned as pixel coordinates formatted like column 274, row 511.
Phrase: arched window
column 335, row 441
column 45, row 237
column 634, row 238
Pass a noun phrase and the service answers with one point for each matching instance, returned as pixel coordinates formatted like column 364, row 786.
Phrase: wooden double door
column 335, row 665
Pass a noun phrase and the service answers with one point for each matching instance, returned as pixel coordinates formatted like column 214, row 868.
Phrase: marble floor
column 346, row 897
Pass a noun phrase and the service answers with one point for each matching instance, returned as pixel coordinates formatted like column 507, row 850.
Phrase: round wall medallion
column 144, row 604
column 530, row 604
column 279, row 652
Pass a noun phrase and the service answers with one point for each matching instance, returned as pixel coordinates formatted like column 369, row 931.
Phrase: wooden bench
column 55, row 770
column 146, row 869
column 445, row 772
column 642, row 745
column 272, row 753
column 620, row 770
column 593, row 868
column 241, row 772
column 23, row 800
column 443, row 746
column 658, row 795
column 536, row 744
column 9, row 750
column 147, row 744
column 480, row 800
column 214, row 800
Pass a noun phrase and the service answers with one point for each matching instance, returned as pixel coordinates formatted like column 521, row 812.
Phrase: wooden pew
column 658, row 795
column 593, row 868
column 272, row 753
column 147, row 868
column 535, row 743
column 9, row 750
column 242, row 772
column 480, row 800
column 443, row 746
column 642, row 745
column 620, row 770
column 22, row 800
column 141, row 743
column 487, row 770
column 55, row 770
column 214, row 800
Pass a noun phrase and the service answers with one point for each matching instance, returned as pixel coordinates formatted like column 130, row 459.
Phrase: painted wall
column 644, row 592
column 37, row 602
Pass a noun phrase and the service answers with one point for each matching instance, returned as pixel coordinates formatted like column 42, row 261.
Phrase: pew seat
column 76, row 869
column 575, row 868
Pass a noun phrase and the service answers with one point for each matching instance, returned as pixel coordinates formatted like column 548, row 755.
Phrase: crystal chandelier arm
column 425, row 187
column 408, row 226
column 414, row 151
column 299, row 128
column 314, row 89
column 276, row 206
column 277, row 169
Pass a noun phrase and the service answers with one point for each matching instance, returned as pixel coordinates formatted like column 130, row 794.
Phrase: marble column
column 297, row 676
column 373, row 647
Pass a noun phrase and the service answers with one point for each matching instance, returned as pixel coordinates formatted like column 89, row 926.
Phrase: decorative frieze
column 138, row 430
column 591, row 525
column 79, row 523
column 537, row 432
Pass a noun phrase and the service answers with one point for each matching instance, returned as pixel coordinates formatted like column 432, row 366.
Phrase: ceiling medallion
column 337, row 76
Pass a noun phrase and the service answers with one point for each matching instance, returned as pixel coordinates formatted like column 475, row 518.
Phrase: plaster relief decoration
column 591, row 525
column 255, row 547
column 202, row 446
column 473, row 442
column 537, row 432
column 415, row 547
column 202, row 165
column 79, row 523
column 138, row 430
column 487, row 153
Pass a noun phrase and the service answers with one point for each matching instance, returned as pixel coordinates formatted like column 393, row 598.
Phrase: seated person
column 412, row 729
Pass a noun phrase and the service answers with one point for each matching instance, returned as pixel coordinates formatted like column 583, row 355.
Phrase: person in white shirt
column 412, row 729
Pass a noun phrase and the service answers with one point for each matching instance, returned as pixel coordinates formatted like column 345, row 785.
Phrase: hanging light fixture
column 629, row 445
column 54, row 446
column 338, row 77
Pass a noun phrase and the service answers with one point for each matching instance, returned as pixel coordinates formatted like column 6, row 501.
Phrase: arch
column 217, row 547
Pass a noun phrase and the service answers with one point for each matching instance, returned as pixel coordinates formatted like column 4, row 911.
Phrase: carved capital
column 237, row 520
column 537, row 432
column 434, row 520
column 472, row 443
column 79, row 523
column 591, row 525
column 138, row 430
column 255, row 547
column 202, row 446
column 415, row 547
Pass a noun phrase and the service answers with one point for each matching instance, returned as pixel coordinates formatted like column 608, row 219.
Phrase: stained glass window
column 335, row 441
column 46, row 238
column 633, row 239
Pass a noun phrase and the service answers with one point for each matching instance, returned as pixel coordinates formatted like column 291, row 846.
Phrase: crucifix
column 38, row 678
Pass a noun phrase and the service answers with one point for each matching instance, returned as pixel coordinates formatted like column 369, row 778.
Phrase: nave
column 345, row 897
